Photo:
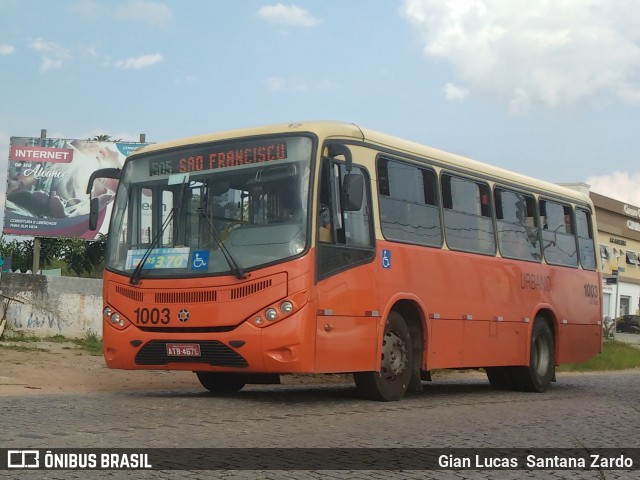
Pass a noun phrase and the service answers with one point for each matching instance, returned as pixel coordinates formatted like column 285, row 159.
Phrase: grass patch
column 16, row 340
column 615, row 355
column 23, row 348
column 91, row 343
column 57, row 339
column 19, row 336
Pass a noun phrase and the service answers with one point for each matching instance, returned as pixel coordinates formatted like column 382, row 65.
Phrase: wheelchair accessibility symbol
column 200, row 260
column 386, row 258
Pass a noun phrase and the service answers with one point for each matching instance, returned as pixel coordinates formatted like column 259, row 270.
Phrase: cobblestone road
column 580, row 411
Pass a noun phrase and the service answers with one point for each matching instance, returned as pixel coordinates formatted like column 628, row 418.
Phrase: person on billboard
column 90, row 156
column 62, row 193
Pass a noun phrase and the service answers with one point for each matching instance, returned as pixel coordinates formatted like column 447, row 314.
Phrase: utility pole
column 615, row 312
column 37, row 240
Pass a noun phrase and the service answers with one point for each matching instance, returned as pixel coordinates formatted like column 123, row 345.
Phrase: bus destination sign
column 215, row 157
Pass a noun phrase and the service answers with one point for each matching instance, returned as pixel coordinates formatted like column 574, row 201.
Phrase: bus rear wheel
column 392, row 381
column 221, row 382
column 538, row 375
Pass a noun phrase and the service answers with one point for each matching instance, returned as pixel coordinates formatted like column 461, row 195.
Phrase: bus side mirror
column 352, row 192
column 336, row 149
column 94, row 203
column 102, row 173
column 94, row 211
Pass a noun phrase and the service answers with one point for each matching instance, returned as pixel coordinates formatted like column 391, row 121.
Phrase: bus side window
column 516, row 222
column 558, row 239
column 467, row 215
column 408, row 197
column 586, row 245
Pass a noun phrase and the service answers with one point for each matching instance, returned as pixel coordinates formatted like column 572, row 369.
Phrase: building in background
column 619, row 244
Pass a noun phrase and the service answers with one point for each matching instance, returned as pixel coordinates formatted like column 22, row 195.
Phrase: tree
column 21, row 253
column 85, row 258
column 104, row 138
column 50, row 250
column 96, row 251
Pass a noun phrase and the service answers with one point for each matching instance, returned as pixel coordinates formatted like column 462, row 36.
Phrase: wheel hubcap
column 394, row 355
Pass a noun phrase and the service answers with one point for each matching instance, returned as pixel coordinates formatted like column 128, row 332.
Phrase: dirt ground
column 46, row 367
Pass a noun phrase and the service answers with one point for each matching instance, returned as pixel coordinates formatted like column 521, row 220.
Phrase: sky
column 547, row 88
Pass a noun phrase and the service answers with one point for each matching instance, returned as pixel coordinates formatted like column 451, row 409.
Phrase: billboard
column 47, row 183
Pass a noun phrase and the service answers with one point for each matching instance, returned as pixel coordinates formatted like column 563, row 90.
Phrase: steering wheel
column 230, row 227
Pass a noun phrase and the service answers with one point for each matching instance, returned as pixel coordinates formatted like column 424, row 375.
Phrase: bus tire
column 541, row 370
column 392, row 381
column 221, row 382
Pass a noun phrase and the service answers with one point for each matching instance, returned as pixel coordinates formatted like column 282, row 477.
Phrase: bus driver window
column 324, row 223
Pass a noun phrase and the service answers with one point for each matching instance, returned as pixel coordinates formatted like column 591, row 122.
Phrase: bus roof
column 326, row 129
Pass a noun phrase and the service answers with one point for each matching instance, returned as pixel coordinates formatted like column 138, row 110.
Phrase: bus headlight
column 274, row 313
column 114, row 319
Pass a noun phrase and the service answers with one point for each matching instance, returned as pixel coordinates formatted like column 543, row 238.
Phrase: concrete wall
column 50, row 306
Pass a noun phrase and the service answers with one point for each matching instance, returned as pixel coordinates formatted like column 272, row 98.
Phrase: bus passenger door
column 347, row 294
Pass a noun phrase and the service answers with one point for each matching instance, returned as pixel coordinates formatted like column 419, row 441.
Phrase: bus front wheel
column 392, row 381
column 221, row 382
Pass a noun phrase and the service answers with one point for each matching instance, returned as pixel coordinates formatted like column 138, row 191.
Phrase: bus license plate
column 183, row 350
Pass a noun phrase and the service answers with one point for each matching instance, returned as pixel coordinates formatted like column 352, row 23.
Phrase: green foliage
column 25, row 342
column 74, row 256
column 20, row 336
column 23, row 348
column 105, row 138
column 91, row 343
column 56, row 339
column 85, row 258
column 21, row 253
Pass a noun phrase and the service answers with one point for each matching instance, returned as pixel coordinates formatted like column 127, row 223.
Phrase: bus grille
column 212, row 352
column 197, row 296
column 221, row 294
column 240, row 292
column 136, row 295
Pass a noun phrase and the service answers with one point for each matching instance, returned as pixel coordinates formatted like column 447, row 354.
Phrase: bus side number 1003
column 152, row 315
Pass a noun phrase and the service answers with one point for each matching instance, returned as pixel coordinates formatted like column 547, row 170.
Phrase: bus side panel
column 346, row 344
column 348, row 323
column 475, row 308
column 575, row 295
column 494, row 343
column 577, row 343
column 444, row 348
column 481, row 309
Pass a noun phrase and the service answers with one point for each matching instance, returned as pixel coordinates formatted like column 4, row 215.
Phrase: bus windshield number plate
column 183, row 350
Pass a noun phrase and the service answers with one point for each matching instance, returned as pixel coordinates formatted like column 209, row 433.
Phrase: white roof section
column 352, row 132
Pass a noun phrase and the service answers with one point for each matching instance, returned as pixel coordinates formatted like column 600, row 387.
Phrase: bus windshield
column 216, row 208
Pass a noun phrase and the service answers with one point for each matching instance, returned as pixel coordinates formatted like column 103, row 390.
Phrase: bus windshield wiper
column 135, row 275
column 235, row 267
column 134, row 279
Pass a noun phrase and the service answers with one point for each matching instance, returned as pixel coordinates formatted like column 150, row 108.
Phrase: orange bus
column 324, row 247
